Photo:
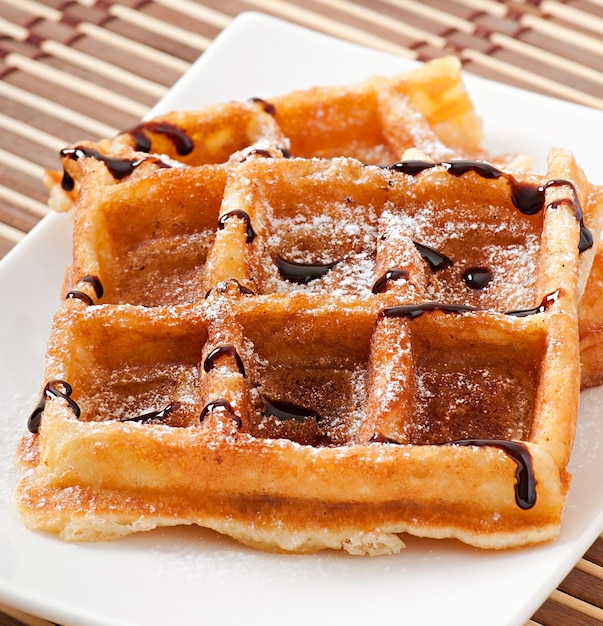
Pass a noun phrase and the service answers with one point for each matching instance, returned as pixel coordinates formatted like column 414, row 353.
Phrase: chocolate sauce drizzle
column 412, row 311
column 435, row 259
column 525, row 485
column 118, row 168
column 527, row 198
column 239, row 213
column 84, row 297
column 267, row 106
column 221, row 404
column 79, row 295
column 394, row 274
column 225, row 350
column 182, row 142
column 586, row 237
column 96, row 284
column 155, row 416
column 541, row 308
column 302, row 273
column 477, row 277
column 53, row 389
column 288, row 411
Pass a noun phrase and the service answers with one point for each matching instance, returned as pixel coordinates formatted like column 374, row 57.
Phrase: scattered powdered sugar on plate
column 10, row 436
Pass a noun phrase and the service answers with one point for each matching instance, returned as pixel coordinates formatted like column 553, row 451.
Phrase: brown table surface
column 71, row 70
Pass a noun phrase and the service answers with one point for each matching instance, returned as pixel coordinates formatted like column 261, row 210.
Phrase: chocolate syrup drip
column 53, row 389
column 80, row 295
column 118, row 168
column 393, row 274
column 155, row 416
column 216, row 353
column 302, row 273
column 96, row 284
column 222, row 287
column 410, row 167
column 288, row 411
column 477, row 277
column 525, row 487
column 221, row 404
column 435, row 259
column 241, row 215
column 541, row 308
column 527, row 198
column 84, row 297
column 412, row 311
column 586, row 237
column 182, row 142
column 67, row 182
column 267, row 106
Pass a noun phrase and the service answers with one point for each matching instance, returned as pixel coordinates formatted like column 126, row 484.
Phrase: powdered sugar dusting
column 323, row 239
column 509, row 248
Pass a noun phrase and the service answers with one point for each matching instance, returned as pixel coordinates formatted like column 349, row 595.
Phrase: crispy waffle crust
column 591, row 324
column 276, row 328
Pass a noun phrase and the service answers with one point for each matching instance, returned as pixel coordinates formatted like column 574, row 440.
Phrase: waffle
column 591, row 325
column 306, row 350
column 376, row 121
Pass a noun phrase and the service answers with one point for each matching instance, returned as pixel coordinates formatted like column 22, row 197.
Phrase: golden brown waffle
column 311, row 352
column 376, row 121
column 591, row 325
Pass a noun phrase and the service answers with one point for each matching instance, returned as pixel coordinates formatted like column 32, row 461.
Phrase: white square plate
column 190, row 575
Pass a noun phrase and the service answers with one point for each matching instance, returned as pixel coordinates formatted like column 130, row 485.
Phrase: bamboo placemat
column 86, row 68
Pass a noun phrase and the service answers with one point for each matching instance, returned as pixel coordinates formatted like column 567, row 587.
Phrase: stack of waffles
column 319, row 321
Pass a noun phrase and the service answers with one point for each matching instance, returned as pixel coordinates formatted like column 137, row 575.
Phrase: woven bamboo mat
column 86, row 68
